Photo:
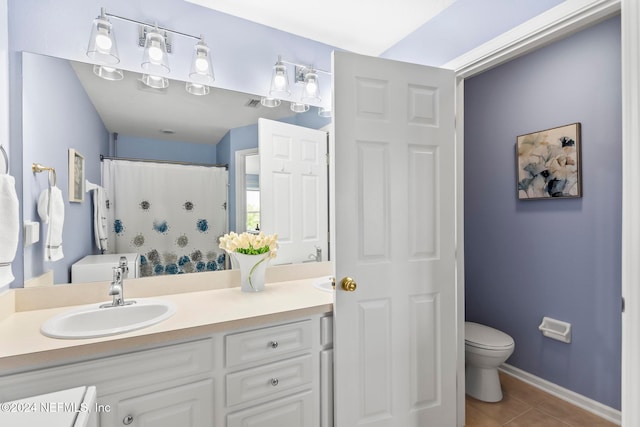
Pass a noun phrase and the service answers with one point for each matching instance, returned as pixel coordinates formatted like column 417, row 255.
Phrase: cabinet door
column 189, row 405
column 292, row 411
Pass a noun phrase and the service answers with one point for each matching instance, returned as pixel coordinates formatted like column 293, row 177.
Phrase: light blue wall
column 145, row 148
column 52, row 125
column 558, row 258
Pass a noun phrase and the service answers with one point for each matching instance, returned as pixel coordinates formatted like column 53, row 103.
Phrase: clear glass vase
column 252, row 270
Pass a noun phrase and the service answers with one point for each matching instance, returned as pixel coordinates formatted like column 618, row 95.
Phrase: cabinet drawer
column 190, row 405
column 258, row 345
column 266, row 380
column 115, row 373
column 296, row 410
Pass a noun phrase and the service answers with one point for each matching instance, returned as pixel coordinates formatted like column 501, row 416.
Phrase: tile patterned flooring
column 526, row 406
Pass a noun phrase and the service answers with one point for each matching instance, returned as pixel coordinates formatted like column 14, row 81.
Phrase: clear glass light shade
column 298, row 107
column 156, row 82
column 108, row 73
column 279, row 81
column 324, row 112
column 311, row 90
column 102, row 44
column 201, row 65
column 270, row 102
column 197, row 89
column 155, row 59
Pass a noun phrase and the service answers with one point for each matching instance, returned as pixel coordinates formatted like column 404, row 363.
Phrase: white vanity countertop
column 197, row 314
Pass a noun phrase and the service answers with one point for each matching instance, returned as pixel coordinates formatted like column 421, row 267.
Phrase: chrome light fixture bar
column 157, row 45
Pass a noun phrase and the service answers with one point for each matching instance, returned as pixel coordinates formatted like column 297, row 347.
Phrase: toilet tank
column 97, row 268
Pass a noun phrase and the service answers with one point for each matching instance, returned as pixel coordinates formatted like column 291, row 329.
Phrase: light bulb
column 155, row 53
column 108, row 69
column 279, row 81
column 202, row 65
column 311, row 88
column 103, row 42
column 155, row 78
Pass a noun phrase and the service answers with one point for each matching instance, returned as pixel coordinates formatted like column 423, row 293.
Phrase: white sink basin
column 91, row 321
column 325, row 284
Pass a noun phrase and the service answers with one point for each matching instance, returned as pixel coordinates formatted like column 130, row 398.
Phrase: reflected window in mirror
column 253, row 209
column 252, row 193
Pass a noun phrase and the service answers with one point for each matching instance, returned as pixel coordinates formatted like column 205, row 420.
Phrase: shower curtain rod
column 172, row 162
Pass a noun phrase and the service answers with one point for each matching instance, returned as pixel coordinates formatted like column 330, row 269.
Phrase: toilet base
column 483, row 384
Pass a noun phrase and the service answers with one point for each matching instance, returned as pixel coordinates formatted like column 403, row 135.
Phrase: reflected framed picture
column 549, row 163
column 76, row 176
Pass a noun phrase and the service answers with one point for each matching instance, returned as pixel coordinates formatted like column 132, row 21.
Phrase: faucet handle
column 124, row 265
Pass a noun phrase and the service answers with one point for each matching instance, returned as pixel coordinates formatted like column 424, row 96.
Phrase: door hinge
column 623, row 304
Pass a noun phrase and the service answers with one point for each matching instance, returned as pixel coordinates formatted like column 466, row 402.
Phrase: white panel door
column 293, row 189
column 395, row 347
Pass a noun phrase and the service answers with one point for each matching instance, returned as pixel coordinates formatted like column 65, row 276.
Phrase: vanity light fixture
column 324, row 112
column 306, row 78
column 155, row 63
column 154, row 57
column 299, row 107
column 197, row 89
column 108, row 73
column 269, row 102
column 311, row 91
column 201, row 66
column 102, row 43
column 155, row 82
column 279, row 80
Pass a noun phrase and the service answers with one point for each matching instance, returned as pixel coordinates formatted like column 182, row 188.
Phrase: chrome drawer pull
column 127, row 420
column 274, row 382
column 274, row 344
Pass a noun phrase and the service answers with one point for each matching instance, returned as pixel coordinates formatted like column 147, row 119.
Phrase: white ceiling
column 368, row 27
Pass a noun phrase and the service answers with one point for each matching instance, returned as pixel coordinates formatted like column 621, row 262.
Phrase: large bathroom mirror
column 66, row 106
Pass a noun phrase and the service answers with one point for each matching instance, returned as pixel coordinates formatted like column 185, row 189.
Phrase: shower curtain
column 172, row 215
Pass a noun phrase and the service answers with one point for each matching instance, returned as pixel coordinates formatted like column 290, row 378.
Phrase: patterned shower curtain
column 172, row 215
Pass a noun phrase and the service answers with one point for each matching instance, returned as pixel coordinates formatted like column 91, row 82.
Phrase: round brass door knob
column 348, row 284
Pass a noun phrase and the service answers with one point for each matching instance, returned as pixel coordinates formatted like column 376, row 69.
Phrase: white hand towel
column 9, row 227
column 100, row 218
column 51, row 211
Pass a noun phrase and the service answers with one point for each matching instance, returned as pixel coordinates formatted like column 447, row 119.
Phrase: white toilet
column 486, row 348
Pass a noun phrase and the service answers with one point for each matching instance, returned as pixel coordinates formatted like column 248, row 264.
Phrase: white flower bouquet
column 251, row 253
column 250, row 244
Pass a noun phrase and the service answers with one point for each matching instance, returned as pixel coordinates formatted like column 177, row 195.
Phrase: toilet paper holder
column 556, row 329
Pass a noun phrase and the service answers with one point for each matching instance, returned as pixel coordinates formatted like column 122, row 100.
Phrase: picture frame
column 549, row 163
column 76, row 176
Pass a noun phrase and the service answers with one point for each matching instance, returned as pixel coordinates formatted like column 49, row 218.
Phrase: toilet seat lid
column 484, row 336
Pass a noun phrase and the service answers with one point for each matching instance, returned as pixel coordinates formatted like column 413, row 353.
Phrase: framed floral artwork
column 76, row 176
column 549, row 163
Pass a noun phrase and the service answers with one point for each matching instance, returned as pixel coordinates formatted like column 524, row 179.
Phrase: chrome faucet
column 317, row 257
column 116, row 289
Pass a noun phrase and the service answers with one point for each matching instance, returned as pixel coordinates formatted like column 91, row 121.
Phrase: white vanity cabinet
column 189, row 405
column 137, row 388
column 271, row 375
column 253, row 376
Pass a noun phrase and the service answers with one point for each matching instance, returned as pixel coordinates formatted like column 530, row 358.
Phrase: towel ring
column 37, row 168
column 6, row 158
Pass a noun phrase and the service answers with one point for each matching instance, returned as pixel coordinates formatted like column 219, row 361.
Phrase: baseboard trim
column 597, row 408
